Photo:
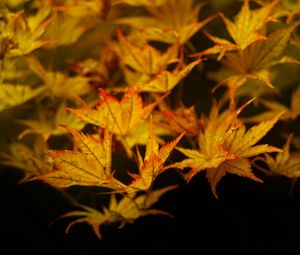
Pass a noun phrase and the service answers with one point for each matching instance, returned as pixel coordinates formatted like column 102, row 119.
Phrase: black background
column 248, row 218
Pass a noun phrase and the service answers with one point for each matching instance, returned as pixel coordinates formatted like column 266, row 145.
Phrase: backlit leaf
column 285, row 163
column 225, row 146
column 170, row 22
column 12, row 95
column 24, row 33
column 247, row 25
column 123, row 211
column 153, row 163
column 120, row 117
column 255, row 62
column 182, row 119
column 88, row 165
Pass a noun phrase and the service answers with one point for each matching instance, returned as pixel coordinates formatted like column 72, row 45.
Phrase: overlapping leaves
column 225, row 146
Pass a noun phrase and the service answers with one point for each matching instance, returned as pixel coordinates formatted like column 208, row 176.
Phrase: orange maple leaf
column 225, row 146
column 153, row 163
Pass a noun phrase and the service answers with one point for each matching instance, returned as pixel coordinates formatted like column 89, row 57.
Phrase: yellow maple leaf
column 240, row 167
column 247, row 25
column 145, row 59
column 13, row 95
column 225, row 146
column 50, row 124
column 122, row 118
column 212, row 151
column 288, row 9
column 285, row 163
column 170, row 22
column 88, row 165
column 126, row 210
column 255, row 62
column 274, row 108
column 165, row 81
column 241, row 144
column 24, row 34
column 31, row 159
column 149, row 66
column 60, row 84
column 153, row 163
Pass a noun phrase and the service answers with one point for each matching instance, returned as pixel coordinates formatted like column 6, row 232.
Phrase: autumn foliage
column 181, row 86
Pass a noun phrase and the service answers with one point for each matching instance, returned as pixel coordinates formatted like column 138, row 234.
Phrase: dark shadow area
column 248, row 218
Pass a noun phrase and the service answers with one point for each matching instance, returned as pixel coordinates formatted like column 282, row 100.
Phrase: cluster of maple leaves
column 103, row 72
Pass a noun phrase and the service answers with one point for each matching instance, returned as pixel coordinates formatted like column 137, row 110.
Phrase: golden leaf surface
column 120, row 117
column 89, row 164
column 170, row 22
column 247, row 25
column 290, row 113
column 126, row 210
column 13, row 95
column 255, row 62
column 225, row 146
column 181, row 120
column 24, row 34
column 285, row 163
column 153, row 163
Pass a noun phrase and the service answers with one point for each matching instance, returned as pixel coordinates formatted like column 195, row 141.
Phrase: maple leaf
column 221, row 47
column 13, row 95
column 274, row 108
column 211, row 143
column 145, row 59
column 256, row 61
column 285, row 163
column 240, row 167
column 126, row 210
column 181, row 120
column 225, row 146
column 24, row 33
column 58, row 83
column 153, row 163
column 140, row 134
column 31, row 159
column 149, row 65
column 170, row 22
column 246, row 27
column 241, row 143
column 50, row 124
column 88, row 165
column 122, row 118
column 288, row 9
column 165, row 81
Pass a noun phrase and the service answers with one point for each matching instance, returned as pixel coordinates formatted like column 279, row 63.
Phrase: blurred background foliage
column 56, row 54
